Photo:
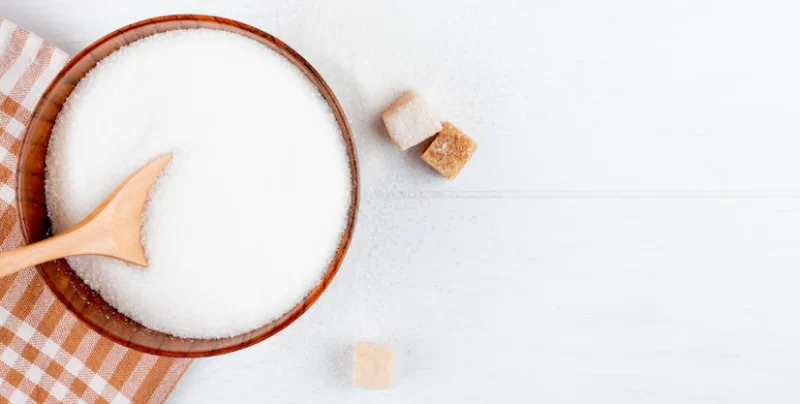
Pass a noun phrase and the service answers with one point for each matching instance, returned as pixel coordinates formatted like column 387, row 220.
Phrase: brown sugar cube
column 450, row 151
column 409, row 121
column 372, row 366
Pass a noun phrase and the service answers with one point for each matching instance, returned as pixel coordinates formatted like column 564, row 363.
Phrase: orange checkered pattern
column 46, row 354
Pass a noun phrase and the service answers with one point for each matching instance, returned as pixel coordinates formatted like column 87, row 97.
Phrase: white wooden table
column 627, row 232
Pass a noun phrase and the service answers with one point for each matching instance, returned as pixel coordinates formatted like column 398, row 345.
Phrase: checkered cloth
column 46, row 354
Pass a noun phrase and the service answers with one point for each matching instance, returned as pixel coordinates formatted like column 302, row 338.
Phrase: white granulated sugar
column 245, row 220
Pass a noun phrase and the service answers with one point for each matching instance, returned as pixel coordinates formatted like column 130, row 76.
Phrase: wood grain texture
column 64, row 282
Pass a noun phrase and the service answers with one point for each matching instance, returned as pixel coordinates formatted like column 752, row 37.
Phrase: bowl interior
column 63, row 281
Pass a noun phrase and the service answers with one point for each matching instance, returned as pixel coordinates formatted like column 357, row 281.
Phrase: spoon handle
column 59, row 246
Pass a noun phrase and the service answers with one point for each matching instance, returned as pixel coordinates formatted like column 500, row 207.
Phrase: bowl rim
column 313, row 295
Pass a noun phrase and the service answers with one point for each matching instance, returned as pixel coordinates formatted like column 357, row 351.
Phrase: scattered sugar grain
column 248, row 215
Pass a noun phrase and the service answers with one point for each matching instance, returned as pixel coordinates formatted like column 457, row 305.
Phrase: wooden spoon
column 113, row 230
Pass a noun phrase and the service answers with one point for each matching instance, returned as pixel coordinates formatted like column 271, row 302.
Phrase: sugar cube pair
column 409, row 121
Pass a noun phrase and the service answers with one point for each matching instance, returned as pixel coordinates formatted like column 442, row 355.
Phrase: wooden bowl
column 64, row 282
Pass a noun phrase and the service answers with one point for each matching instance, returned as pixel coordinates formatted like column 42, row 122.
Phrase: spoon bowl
column 113, row 229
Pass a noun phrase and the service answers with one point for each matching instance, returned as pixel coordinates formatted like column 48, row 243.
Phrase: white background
column 627, row 232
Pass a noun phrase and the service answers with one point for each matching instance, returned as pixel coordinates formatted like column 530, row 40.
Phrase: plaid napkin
column 46, row 354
